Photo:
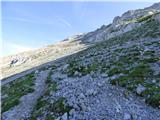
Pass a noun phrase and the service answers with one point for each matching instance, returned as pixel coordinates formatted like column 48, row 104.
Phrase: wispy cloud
column 60, row 20
column 35, row 21
column 65, row 22
column 23, row 20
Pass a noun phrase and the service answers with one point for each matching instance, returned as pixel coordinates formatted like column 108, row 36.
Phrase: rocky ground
column 88, row 97
column 117, row 79
column 27, row 102
column 94, row 98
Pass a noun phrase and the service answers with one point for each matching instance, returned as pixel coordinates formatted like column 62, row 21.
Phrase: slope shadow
column 45, row 65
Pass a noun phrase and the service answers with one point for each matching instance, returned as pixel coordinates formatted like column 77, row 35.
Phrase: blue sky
column 29, row 25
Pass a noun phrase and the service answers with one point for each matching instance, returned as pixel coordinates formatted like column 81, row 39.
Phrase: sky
column 31, row 25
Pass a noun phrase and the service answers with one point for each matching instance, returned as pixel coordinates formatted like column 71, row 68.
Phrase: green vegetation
column 149, row 52
column 53, row 67
column 52, row 85
column 133, row 62
column 46, row 104
column 49, row 79
column 16, row 89
column 114, row 71
column 154, row 100
column 152, row 60
column 140, row 73
column 144, row 18
column 84, row 70
column 57, row 108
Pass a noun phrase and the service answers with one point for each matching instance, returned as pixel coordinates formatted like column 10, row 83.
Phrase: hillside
column 27, row 60
column 113, row 75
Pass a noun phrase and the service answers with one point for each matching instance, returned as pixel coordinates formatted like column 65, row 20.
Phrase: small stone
column 76, row 73
column 71, row 112
column 89, row 108
column 97, row 101
column 64, row 116
column 36, row 72
column 110, row 94
column 99, row 84
column 104, row 75
column 81, row 96
column 83, row 107
column 118, row 108
column 92, row 73
column 4, row 96
column 127, row 116
column 65, row 66
column 153, row 81
column 140, row 89
column 91, row 92
column 59, row 118
column 113, row 77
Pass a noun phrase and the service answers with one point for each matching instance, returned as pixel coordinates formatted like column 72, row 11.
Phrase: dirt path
column 27, row 102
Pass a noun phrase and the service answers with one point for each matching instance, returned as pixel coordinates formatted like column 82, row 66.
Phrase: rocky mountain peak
column 121, row 24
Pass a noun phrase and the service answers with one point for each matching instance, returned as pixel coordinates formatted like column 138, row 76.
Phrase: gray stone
column 127, row 116
column 59, row 118
column 104, row 75
column 100, row 84
column 153, row 81
column 140, row 89
column 110, row 94
column 91, row 92
column 37, row 71
column 81, row 96
column 65, row 67
column 71, row 112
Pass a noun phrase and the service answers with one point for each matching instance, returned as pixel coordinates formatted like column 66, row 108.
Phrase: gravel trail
column 27, row 102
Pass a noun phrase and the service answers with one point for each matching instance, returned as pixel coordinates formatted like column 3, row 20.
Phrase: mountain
column 110, row 73
column 128, row 21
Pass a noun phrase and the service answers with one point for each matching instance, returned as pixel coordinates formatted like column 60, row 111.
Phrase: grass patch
column 59, row 107
column 49, row 78
column 152, row 60
column 15, row 90
column 154, row 100
column 114, row 71
column 144, row 18
column 84, row 70
column 53, row 86
column 53, row 110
